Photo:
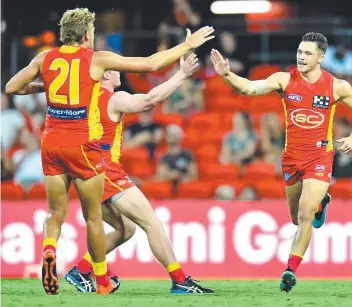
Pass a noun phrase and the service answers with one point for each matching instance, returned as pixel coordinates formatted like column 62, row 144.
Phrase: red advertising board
column 222, row 240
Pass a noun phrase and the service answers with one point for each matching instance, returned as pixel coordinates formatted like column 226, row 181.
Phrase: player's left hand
column 182, row 59
column 189, row 66
column 346, row 147
column 199, row 37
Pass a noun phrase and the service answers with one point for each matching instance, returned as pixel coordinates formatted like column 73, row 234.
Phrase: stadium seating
column 196, row 189
column 270, row 188
column 11, row 191
column 262, row 71
column 207, row 153
column 143, row 170
column 342, row 188
column 157, row 189
column 204, row 122
column 167, row 119
column 130, row 119
column 36, row 191
column 218, row 171
column 260, row 170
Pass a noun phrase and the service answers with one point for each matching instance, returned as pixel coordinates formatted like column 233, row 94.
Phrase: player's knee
column 305, row 214
column 130, row 230
column 93, row 217
column 150, row 222
column 58, row 214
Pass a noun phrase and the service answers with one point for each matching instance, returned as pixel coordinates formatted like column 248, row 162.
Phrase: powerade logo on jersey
column 294, row 97
column 287, row 176
column 69, row 114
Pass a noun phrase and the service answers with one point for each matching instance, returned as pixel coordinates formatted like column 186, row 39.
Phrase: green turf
column 25, row 293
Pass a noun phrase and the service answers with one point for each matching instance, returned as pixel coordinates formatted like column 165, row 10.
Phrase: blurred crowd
column 246, row 138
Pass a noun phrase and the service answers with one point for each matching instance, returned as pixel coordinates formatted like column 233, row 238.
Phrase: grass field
column 26, row 293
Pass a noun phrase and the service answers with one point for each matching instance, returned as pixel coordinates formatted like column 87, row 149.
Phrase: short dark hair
column 318, row 38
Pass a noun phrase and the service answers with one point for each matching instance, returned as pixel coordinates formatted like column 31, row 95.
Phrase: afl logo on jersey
column 307, row 119
column 294, row 97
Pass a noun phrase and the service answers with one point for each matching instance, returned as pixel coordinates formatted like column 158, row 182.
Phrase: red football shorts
column 81, row 161
column 319, row 168
column 116, row 181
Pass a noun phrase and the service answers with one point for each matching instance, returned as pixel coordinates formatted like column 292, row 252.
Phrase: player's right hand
column 221, row 66
column 346, row 147
column 189, row 66
column 200, row 37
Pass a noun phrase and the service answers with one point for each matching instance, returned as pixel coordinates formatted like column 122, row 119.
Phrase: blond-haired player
column 70, row 149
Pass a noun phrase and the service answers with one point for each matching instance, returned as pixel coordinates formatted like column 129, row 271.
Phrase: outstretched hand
column 200, row 37
column 189, row 66
column 346, row 147
column 221, row 66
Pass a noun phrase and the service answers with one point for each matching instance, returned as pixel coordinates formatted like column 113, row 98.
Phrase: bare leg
column 124, row 228
column 293, row 194
column 90, row 193
column 57, row 194
column 134, row 205
column 313, row 193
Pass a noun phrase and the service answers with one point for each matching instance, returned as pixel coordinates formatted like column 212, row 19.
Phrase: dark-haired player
column 309, row 96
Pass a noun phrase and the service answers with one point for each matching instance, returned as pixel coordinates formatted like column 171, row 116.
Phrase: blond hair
column 74, row 24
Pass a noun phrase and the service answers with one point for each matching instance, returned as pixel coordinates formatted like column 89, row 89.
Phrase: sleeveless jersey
column 309, row 111
column 72, row 97
column 111, row 140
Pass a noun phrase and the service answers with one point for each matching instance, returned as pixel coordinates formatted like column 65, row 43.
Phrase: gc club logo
column 307, row 119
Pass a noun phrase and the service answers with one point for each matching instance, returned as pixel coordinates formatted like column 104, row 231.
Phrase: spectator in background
column 7, row 167
column 172, row 29
column 239, row 145
column 145, row 133
column 228, row 45
column 225, row 192
column 27, row 158
column 338, row 61
column 30, row 103
column 187, row 99
column 177, row 164
column 12, row 121
column 109, row 25
column 273, row 139
column 248, row 193
column 342, row 165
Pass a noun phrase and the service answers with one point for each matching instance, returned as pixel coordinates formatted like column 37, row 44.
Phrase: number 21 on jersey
column 65, row 72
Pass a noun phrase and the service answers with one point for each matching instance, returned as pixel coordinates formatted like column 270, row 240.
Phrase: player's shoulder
column 280, row 76
column 103, row 55
column 39, row 58
column 341, row 83
column 341, row 86
column 121, row 95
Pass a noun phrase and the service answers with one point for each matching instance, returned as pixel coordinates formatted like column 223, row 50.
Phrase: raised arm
column 127, row 103
column 32, row 88
column 343, row 91
column 19, row 83
column 111, row 61
column 243, row 85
